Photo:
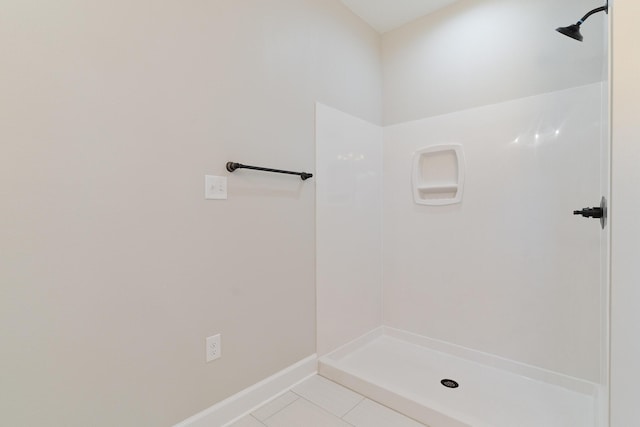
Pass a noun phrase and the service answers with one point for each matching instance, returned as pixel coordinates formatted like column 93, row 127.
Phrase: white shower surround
column 509, row 272
column 348, row 227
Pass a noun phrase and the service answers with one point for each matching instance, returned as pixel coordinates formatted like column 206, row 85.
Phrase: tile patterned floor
column 318, row 402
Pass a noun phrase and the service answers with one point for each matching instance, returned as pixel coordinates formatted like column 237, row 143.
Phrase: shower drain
column 449, row 383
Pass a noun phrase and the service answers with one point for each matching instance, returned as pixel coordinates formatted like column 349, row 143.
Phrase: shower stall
column 481, row 301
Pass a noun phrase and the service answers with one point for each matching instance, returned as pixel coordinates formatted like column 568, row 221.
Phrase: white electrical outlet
column 214, row 348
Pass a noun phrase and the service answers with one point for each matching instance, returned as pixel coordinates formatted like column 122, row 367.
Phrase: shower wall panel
column 349, row 227
column 509, row 271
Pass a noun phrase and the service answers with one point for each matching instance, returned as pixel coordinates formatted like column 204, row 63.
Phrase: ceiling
column 386, row 15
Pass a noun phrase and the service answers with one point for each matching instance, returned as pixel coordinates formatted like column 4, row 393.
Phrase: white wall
column 625, row 228
column 509, row 271
column 349, row 227
column 113, row 267
column 479, row 52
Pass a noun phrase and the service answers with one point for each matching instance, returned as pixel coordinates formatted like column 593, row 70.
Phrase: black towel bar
column 231, row 166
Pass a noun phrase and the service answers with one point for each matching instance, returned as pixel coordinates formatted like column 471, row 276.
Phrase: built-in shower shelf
column 436, row 189
column 438, row 175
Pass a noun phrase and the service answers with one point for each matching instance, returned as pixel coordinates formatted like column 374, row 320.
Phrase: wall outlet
column 214, row 348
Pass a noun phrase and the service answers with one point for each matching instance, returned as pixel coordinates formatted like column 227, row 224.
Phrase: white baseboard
column 244, row 402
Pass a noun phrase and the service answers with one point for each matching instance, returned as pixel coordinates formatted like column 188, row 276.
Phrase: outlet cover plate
column 214, row 348
column 215, row 187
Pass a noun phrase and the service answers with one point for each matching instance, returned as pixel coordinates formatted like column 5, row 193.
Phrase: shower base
column 404, row 371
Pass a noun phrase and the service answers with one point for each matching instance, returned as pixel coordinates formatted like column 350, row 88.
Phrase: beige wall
column 625, row 204
column 480, row 52
column 113, row 268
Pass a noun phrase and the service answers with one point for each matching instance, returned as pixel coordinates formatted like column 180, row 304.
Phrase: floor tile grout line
column 285, row 407
column 299, row 396
column 376, row 403
column 324, row 410
column 261, row 423
column 354, row 407
column 362, row 398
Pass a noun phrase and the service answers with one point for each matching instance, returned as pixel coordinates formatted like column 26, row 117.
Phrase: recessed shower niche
column 438, row 175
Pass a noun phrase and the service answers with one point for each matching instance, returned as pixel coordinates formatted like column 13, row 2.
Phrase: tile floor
column 318, row 402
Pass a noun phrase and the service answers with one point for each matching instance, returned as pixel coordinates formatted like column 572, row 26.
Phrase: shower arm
column 596, row 10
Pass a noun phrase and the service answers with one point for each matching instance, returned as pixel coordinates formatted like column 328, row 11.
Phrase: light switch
column 215, row 187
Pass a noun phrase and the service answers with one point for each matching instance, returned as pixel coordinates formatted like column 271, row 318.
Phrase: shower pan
column 405, row 371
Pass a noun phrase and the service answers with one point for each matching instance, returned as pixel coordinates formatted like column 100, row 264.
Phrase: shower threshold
column 404, row 372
